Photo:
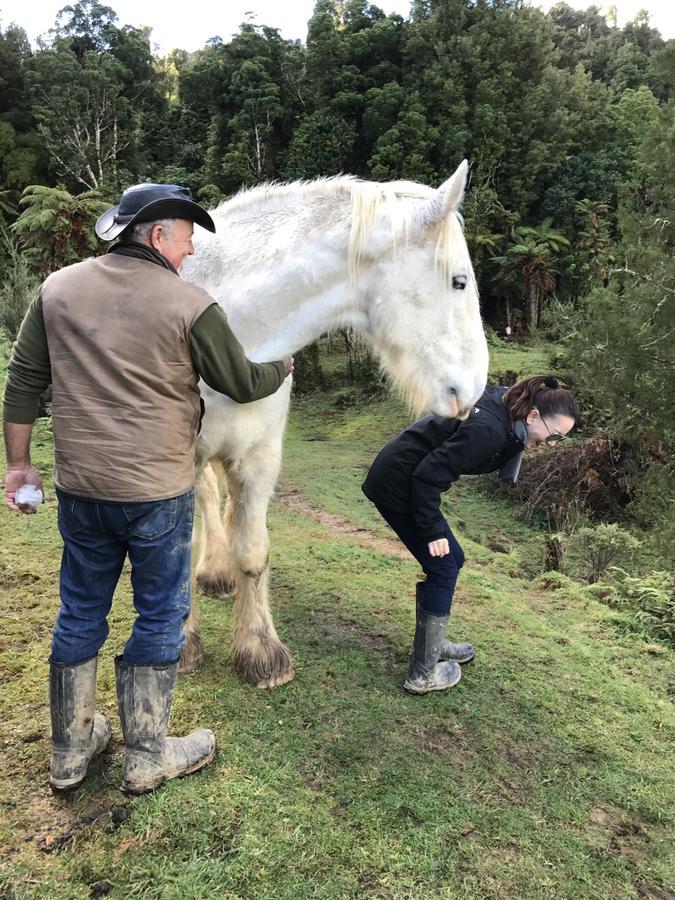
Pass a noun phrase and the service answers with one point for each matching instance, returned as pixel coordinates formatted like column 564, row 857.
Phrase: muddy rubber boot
column 427, row 671
column 145, row 695
column 461, row 653
column 78, row 733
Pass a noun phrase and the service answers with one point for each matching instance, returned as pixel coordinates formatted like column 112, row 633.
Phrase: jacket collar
column 142, row 251
column 511, row 469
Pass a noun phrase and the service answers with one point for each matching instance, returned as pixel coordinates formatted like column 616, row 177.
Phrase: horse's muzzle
column 455, row 411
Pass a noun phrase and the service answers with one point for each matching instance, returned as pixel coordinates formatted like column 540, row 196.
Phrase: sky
column 189, row 25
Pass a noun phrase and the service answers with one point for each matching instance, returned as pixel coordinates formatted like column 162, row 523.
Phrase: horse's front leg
column 215, row 570
column 259, row 655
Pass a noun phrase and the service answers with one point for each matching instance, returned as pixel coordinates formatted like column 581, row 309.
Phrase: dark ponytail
column 543, row 392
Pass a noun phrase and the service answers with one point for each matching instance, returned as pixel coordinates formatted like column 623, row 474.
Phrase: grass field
column 546, row 773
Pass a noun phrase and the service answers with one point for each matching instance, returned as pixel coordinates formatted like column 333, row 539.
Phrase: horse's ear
column 448, row 196
column 452, row 190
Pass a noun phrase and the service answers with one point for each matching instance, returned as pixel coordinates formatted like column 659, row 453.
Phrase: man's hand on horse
column 288, row 364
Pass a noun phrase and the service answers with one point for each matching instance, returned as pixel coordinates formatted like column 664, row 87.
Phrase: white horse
column 289, row 263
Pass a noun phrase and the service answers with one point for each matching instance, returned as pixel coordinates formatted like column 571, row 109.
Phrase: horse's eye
column 459, row 282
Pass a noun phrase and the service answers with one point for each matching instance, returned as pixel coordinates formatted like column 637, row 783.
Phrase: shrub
column 652, row 504
column 602, row 546
column 582, row 479
column 308, row 374
column 651, row 598
column 492, row 338
column 553, row 581
column 18, row 287
column 607, row 593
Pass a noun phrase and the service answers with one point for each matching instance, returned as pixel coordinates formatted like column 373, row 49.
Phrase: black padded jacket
column 414, row 468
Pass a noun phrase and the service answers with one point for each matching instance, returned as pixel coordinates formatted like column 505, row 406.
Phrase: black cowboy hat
column 148, row 203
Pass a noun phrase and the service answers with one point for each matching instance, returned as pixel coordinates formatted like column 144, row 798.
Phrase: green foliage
column 210, row 196
column 600, row 547
column 589, row 261
column 321, row 145
column 90, row 89
column 239, row 102
column 402, row 152
column 620, row 347
column 619, row 340
column 81, row 113
column 18, row 286
column 653, row 503
column 652, row 599
column 554, row 581
column 529, row 263
column 58, row 225
column 88, row 25
column 19, row 156
column 308, row 375
column 492, row 337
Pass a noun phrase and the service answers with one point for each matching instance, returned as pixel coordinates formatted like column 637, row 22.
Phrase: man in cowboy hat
column 123, row 342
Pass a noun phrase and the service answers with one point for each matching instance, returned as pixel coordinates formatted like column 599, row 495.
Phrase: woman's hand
column 439, row 547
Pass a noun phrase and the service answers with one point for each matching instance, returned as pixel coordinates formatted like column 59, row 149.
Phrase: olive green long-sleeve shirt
column 218, row 358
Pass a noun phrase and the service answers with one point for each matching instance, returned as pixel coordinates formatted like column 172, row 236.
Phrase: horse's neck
column 281, row 280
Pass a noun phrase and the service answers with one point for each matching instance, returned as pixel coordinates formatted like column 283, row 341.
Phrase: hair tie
column 550, row 382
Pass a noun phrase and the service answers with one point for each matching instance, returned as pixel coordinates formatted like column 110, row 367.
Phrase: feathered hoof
column 215, row 585
column 192, row 654
column 267, row 664
column 284, row 678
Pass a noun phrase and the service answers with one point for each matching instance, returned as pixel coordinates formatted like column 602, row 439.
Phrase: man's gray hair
column 141, row 232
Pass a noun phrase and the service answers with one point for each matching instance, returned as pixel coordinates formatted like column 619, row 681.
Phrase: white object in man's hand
column 288, row 364
column 17, row 479
column 439, row 547
column 28, row 495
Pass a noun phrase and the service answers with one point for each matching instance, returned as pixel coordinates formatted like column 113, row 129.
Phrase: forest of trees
column 568, row 122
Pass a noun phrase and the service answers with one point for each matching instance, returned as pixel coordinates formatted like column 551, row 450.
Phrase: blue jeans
column 97, row 537
column 441, row 571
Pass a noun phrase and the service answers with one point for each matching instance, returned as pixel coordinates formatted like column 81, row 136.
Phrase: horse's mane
column 366, row 199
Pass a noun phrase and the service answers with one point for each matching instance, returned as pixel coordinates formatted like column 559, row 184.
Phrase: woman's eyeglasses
column 553, row 436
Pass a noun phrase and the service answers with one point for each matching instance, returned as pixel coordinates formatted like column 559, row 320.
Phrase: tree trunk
column 533, row 311
column 554, row 554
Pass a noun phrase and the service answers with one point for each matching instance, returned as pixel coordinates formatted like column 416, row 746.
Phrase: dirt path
column 293, row 499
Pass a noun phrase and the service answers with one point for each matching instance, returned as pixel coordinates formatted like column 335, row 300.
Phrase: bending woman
column 406, row 481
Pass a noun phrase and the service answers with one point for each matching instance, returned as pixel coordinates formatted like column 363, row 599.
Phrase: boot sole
column 128, row 788
column 462, row 662
column 66, row 784
column 414, row 689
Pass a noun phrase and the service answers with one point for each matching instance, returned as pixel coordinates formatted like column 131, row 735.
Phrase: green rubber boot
column 427, row 671
column 461, row 653
column 145, row 695
column 78, row 733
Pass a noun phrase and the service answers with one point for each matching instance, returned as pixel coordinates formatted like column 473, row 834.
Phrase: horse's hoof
column 215, row 585
column 278, row 681
column 192, row 655
column 267, row 664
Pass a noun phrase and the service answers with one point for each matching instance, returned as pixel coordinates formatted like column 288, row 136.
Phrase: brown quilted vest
column 125, row 396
